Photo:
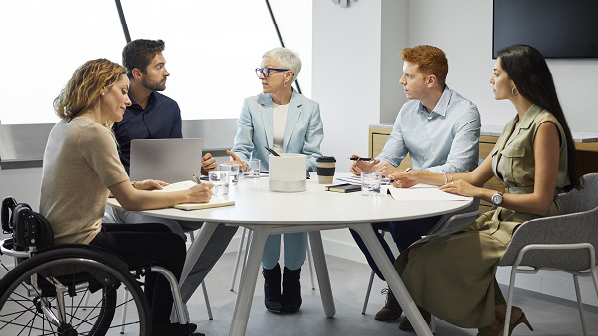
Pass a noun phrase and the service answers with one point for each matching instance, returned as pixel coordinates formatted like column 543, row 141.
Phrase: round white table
column 266, row 212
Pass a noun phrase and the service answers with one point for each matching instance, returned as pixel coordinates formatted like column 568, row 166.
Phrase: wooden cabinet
column 587, row 155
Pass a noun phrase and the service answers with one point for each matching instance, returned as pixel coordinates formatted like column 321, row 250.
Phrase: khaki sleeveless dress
column 452, row 276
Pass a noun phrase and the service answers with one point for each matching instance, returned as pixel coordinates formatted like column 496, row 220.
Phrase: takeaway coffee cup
column 325, row 168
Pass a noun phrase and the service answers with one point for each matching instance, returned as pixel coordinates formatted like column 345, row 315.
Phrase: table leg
column 392, row 278
column 315, row 240
column 205, row 233
column 248, row 281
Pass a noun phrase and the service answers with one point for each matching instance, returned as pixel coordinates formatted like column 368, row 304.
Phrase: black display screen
column 557, row 28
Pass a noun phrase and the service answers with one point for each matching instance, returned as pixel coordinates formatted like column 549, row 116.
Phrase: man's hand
column 149, row 184
column 360, row 166
column 208, row 164
column 200, row 193
column 385, row 168
column 403, row 179
column 237, row 160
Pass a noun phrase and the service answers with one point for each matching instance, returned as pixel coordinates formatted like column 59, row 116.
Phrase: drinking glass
column 370, row 183
column 220, row 181
column 253, row 169
column 233, row 169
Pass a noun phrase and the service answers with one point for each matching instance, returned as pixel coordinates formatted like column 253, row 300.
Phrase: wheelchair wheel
column 46, row 295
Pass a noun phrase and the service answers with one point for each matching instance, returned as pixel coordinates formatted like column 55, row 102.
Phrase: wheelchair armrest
column 118, row 262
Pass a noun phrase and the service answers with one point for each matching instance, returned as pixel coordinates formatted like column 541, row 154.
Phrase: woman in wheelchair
column 82, row 167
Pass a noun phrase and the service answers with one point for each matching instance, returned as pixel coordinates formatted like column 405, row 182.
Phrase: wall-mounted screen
column 557, row 28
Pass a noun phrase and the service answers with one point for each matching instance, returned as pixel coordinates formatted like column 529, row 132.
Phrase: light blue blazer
column 303, row 133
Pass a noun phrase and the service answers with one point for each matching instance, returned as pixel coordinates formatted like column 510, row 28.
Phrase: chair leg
column 580, row 304
column 595, row 278
column 123, row 316
column 367, row 293
column 369, row 290
column 239, row 251
column 510, row 300
column 433, row 324
column 205, row 296
column 311, row 270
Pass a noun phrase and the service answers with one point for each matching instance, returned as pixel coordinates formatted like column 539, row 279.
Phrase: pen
column 360, row 159
column 272, row 151
column 196, row 179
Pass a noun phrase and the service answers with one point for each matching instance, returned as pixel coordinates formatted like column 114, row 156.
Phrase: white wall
column 463, row 29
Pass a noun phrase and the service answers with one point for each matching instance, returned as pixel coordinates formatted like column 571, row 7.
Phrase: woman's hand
column 200, row 193
column 237, row 160
column 360, row 166
column 149, row 184
column 403, row 179
column 460, row 187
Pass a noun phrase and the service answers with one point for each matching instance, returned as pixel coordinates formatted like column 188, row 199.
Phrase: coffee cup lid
column 326, row 159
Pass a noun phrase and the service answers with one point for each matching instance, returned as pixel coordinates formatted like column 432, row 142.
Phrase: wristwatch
column 497, row 198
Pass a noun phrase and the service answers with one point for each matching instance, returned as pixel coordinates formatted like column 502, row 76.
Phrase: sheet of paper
column 423, row 193
column 357, row 179
column 184, row 185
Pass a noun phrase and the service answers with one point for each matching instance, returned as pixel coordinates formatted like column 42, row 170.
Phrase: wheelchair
column 68, row 290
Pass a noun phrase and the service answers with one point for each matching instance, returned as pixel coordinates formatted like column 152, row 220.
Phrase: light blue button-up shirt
column 444, row 140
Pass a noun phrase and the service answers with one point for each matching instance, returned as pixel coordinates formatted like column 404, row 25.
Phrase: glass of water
column 234, row 169
column 253, row 169
column 370, row 183
column 220, row 181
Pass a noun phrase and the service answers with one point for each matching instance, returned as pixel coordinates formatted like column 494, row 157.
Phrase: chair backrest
column 583, row 199
column 451, row 221
column 28, row 228
column 579, row 224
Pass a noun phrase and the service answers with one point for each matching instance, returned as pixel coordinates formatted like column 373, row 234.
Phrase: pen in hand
column 360, row 159
column 196, row 179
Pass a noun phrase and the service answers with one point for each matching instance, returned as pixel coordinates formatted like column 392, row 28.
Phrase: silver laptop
column 170, row 160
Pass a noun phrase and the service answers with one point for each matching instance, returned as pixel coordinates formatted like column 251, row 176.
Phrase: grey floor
column 548, row 315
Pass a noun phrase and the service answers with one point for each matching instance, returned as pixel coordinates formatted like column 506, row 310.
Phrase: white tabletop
column 255, row 204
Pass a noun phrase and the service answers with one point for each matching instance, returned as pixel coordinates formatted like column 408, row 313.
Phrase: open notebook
column 184, row 185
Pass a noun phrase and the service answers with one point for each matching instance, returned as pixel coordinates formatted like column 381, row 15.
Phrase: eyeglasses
column 266, row 71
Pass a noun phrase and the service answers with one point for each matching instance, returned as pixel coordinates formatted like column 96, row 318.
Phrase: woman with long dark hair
column 535, row 159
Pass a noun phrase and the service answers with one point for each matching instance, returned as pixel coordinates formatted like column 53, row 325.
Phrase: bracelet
column 451, row 181
column 445, row 179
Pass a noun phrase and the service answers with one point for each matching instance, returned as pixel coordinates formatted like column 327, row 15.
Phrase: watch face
column 496, row 199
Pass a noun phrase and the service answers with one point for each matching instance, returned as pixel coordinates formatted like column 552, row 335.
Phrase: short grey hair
column 286, row 59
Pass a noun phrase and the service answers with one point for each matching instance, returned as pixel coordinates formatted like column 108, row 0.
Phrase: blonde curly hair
column 83, row 89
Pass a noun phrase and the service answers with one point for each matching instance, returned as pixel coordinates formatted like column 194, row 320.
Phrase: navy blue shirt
column 159, row 120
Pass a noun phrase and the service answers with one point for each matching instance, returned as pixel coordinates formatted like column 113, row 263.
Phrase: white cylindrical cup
column 287, row 172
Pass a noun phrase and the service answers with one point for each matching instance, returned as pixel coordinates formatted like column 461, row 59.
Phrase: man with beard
column 153, row 115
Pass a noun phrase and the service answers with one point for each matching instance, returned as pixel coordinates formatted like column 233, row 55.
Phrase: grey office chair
column 565, row 243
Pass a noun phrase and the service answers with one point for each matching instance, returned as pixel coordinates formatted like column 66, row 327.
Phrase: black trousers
column 147, row 244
